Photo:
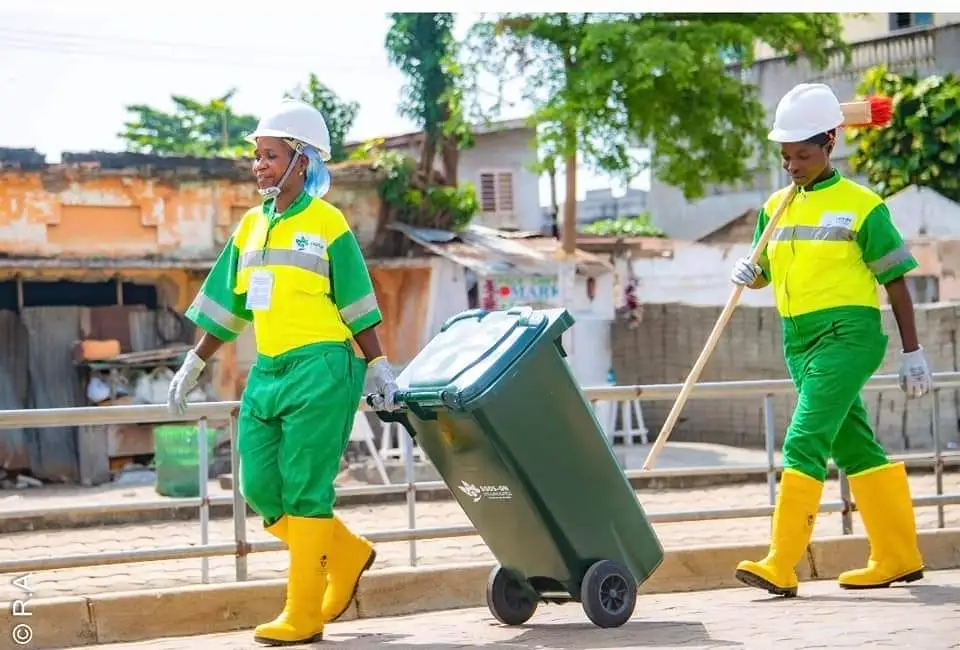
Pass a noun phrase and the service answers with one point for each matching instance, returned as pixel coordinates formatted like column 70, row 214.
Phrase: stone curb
column 207, row 609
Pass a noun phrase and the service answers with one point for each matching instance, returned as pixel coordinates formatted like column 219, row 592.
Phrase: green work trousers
column 831, row 355
column 296, row 415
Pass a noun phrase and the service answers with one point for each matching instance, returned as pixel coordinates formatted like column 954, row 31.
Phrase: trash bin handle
column 399, row 398
column 400, row 416
column 523, row 313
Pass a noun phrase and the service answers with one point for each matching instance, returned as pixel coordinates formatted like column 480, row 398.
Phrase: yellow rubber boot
column 353, row 555
column 309, row 541
column 793, row 520
column 278, row 529
column 883, row 498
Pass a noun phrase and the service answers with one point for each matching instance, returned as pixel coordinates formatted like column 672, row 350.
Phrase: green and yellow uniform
column 834, row 244
column 831, row 248
column 301, row 279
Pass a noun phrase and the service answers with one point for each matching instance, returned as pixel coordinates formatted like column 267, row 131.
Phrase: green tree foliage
column 194, row 128
column 605, row 84
column 339, row 115
column 422, row 46
column 212, row 128
column 637, row 226
column 921, row 146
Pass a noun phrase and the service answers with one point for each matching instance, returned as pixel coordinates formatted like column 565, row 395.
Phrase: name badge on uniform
column 309, row 244
column 837, row 220
column 260, row 290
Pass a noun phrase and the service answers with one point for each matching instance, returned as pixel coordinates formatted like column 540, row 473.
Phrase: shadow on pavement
column 920, row 594
column 573, row 636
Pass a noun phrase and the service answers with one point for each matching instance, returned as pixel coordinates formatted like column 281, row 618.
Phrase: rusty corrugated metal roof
column 91, row 263
column 409, row 138
column 171, row 168
column 638, row 246
column 488, row 252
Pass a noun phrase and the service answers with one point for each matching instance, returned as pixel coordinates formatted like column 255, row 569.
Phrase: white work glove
column 916, row 379
column 386, row 386
column 183, row 382
column 745, row 272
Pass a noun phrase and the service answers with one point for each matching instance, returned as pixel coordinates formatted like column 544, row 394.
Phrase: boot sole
column 276, row 643
column 356, row 585
column 913, row 576
column 752, row 580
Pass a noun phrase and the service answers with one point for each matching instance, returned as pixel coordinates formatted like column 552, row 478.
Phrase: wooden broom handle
column 714, row 337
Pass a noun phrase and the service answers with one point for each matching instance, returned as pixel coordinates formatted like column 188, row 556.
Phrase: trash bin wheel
column 510, row 600
column 608, row 594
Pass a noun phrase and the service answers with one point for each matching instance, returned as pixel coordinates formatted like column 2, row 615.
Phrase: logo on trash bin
column 493, row 492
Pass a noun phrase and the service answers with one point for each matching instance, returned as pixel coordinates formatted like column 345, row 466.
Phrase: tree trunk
column 449, row 151
column 428, row 154
column 570, row 130
column 450, row 154
column 570, row 205
column 554, row 208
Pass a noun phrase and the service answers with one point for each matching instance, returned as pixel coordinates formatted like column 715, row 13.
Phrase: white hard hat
column 805, row 111
column 296, row 120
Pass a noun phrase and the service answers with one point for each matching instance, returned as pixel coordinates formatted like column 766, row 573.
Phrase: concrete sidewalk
column 923, row 616
column 154, row 575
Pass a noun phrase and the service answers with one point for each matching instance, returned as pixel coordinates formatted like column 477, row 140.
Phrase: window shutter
column 505, row 192
column 488, row 193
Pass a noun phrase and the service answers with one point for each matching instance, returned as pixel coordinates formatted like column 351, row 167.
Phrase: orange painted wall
column 116, row 216
column 79, row 212
column 71, row 211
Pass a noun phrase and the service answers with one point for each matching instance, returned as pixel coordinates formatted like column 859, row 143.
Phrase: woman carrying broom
column 833, row 245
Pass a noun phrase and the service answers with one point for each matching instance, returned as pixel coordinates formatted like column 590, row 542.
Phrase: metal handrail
column 157, row 413
column 205, row 412
column 951, row 458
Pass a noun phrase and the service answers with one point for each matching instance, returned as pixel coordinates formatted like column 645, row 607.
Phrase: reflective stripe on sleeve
column 219, row 315
column 358, row 309
column 889, row 261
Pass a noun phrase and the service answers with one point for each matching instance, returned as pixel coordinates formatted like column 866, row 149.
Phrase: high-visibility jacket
column 831, row 247
column 320, row 288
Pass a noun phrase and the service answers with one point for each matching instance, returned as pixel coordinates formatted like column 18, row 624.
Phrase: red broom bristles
column 875, row 111
column 881, row 110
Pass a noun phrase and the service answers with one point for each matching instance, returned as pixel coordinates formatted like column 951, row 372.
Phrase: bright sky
column 68, row 68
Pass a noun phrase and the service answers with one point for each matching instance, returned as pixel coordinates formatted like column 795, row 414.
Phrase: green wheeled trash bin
column 494, row 405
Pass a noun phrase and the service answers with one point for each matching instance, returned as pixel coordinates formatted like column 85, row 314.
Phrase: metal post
column 938, row 455
column 847, row 513
column 770, row 438
column 411, row 492
column 204, row 473
column 239, row 505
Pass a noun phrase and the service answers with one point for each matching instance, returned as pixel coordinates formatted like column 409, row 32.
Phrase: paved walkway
column 925, row 616
column 122, row 577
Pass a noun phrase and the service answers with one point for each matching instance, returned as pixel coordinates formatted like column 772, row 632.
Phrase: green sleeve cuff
column 765, row 267
column 365, row 322
column 898, row 271
column 212, row 317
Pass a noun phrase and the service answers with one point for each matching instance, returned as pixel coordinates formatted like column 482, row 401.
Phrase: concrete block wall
column 664, row 347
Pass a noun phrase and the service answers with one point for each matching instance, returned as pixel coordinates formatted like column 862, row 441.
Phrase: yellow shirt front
column 832, row 245
column 319, row 286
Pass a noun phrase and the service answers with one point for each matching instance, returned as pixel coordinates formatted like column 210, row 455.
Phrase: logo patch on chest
column 837, row 220
column 309, row 244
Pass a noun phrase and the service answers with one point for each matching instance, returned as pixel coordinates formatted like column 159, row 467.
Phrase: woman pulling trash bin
column 294, row 269
column 833, row 245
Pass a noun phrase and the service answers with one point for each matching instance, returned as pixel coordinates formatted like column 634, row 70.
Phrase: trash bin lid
column 471, row 352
